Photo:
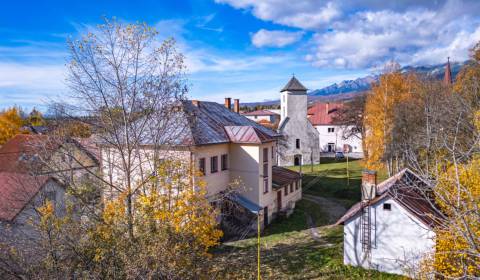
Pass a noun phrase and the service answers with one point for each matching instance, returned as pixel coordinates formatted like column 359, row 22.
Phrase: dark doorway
column 279, row 200
column 331, row 147
column 297, row 161
column 265, row 216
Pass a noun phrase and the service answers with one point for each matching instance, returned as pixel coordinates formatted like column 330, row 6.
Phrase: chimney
column 236, row 105
column 369, row 184
column 196, row 103
column 228, row 103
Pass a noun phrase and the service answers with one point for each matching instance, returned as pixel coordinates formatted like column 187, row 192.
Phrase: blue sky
column 245, row 49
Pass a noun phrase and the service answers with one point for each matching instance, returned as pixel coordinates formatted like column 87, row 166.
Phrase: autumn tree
column 11, row 123
column 436, row 133
column 175, row 226
column 392, row 88
column 35, row 118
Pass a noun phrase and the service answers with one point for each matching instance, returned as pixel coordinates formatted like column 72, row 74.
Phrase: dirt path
column 333, row 209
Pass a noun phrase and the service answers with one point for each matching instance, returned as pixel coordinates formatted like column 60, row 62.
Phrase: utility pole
column 258, row 246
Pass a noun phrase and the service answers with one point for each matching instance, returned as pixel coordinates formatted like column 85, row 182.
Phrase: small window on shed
column 387, row 206
column 297, row 143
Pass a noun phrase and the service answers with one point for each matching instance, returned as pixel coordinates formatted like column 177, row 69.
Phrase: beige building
column 226, row 146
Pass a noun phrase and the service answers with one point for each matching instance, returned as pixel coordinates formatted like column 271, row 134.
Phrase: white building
column 391, row 229
column 263, row 115
column 332, row 136
column 224, row 146
column 299, row 144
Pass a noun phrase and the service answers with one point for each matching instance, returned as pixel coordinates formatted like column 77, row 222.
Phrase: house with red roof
column 334, row 137
column 34, row 169
column 392, row 229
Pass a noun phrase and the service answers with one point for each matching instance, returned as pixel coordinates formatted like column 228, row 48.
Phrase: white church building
column 300, row 143
column 391, row 229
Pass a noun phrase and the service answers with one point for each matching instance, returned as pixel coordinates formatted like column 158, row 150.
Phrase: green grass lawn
column 288, row 250
column 334, row 182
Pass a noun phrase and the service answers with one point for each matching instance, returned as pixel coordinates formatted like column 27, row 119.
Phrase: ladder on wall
column 366, row 228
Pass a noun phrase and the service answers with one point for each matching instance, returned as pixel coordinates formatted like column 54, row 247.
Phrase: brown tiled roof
column 409, row 191
column 23, row 152
column 16, row 191
column 282, row 176
column 293, row 85
column 260, row 113
column 19, row 153
column 318, row 114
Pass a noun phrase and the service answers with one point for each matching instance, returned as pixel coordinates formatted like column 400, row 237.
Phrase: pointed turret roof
column 447, row 79
column 293, row 85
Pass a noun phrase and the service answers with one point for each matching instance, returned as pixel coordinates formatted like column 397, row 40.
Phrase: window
column 291, row 187
column 273, row 153
column 387, row 206
column 255, row 117
column 50, row 196
column 224, row 162
column 265, row 154
column 297, row 185
column 297, row 143
column 331, row 129
column 286, row 190
column 201, row 166
column 214, row 164
column 265, row 185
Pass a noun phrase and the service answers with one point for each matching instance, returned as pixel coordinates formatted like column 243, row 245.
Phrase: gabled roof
column 247, row 134
column 409, row 191
column 208, row 121
column 261, row 113
column 323, row 113
column 293, row 85
column 282, row 176
column 16, row 191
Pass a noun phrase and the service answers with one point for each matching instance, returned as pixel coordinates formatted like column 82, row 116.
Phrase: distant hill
column 349, row 88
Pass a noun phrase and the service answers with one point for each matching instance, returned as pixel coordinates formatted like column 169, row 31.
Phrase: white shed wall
column 399, row 240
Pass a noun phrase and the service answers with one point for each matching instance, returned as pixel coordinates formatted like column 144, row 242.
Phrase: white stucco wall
column 399, row 240
column 294, row 107
column 218, row 181
column 258, row 118
column 336, row 137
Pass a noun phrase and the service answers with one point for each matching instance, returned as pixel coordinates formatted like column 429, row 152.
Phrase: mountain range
column 349, row 88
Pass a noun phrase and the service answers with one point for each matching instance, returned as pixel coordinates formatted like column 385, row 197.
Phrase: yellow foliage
column 391, row 89
column 10, row 124
column 456, row 255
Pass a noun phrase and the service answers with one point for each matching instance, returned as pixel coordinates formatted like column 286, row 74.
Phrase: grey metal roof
column 209, row 120
column 293, row 85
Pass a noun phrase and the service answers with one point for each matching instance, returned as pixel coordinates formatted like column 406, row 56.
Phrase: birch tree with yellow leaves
column 392, row 88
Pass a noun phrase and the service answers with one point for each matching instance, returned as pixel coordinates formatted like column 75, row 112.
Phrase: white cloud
column 275, row 38
column 365, row 33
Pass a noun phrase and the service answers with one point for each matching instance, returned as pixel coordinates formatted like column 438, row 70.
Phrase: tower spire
column 447, row 79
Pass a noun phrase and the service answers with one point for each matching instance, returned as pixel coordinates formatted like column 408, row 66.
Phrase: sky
column 246, row 49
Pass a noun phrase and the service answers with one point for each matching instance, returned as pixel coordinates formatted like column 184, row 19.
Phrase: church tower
column 293, row 102
column 300, row 140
